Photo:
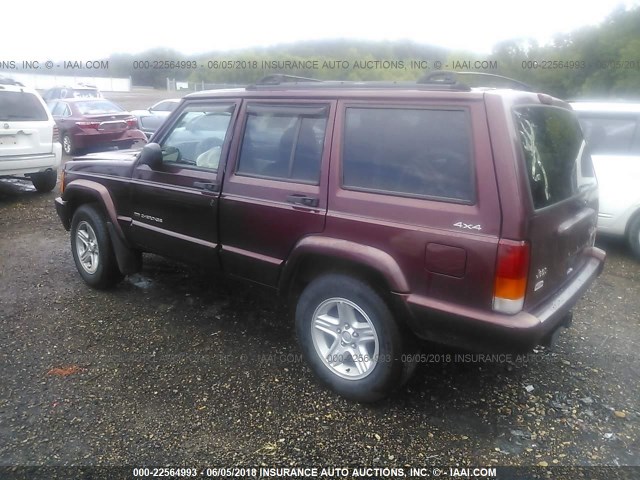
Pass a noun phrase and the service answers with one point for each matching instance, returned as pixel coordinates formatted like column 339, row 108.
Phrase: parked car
column 150, row 119
column 94, row 123
column 386, row 212
column 76, row 91
column 612, row 131
column 28, row 136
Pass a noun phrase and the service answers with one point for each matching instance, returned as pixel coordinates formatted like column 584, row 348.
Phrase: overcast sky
column 88, row 30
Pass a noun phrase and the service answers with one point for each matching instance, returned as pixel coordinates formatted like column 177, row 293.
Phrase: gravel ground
column 174, row 367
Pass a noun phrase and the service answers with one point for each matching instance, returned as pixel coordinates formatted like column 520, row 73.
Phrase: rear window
column 611, row 135
column 97, row 107
column 409, row 152
column 558, row 164
column 23, row 106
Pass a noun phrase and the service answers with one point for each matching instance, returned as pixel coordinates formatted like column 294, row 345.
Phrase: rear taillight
column 512, row 269
column 62, row 181
column 55, row 138
column 132, row 122
column 88, row 125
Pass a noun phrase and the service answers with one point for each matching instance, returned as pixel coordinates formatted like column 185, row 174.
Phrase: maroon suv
column 385, row 212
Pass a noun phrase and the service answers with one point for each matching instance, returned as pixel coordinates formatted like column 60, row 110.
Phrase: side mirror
column 151, row 155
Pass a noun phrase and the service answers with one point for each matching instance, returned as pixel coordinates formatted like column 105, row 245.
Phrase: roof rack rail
column 280, row 78
column 449, row 77
column 286, row 82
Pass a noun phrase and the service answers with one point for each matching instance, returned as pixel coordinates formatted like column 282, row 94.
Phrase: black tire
column 98, row 268
column 633, row 236
column 45, row 181
column 379, row 378
column 67, row 144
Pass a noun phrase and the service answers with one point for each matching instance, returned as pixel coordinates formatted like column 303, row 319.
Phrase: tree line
column 600, row 61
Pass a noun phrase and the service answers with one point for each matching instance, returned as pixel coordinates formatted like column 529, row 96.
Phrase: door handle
column 209, row 187
column 307, row 201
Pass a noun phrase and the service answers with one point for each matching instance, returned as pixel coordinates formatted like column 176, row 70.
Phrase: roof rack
column 436, row 80
column 281, row 81
column 510, row 81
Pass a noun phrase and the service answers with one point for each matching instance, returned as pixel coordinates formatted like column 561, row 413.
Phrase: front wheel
column 634, row 236
column 349, row 338
column 91, row 248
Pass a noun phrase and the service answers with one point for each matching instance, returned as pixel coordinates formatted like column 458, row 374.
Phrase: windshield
column 97, row 107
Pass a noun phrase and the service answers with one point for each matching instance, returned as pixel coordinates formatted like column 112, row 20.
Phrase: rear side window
column 21, row 106
column 611, row 135
column 283, row 142
column 557, row 163
column 409, row 152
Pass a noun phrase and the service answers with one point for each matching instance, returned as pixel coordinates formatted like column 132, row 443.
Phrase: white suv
column 29, row 144
column 612, row 131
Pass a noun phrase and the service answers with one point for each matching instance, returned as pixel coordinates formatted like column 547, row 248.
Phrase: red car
column 94, row 123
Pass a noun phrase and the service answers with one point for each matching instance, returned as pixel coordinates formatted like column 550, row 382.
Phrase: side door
column 175, row 207
column 275, row 189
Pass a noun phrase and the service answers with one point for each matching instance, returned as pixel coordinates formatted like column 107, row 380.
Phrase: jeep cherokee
column 385, row 211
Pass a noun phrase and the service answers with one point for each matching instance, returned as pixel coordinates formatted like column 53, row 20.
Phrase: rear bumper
column 483, row 330
column 25, row 164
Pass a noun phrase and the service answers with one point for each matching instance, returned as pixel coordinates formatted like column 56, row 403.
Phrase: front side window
column 557, row 163
column 283, row 142
column 408, row 152
column 198, row 135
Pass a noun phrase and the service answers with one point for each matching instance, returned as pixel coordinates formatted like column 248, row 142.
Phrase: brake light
column 132, row 122
column 88, row 125
column 55, row 138
column 512, row 269
column 62, row 181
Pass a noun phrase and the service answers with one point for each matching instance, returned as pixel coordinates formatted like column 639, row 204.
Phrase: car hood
column 117, row 163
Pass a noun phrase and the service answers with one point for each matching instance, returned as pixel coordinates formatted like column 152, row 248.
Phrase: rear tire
column 349, row 338
column 67, row 144
column 633, row 236
column 45, row 181
column 92, row 250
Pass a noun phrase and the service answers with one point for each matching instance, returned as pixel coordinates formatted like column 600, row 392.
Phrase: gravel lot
column 174, row 367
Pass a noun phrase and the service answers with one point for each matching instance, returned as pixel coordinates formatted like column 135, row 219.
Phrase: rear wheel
column 92, row 250
column 349, row 338
column 45, row 181
column 67, row 144
column 633, row 236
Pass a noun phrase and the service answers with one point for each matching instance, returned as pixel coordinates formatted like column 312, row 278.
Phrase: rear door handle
column 208, row 187
column 307, row 201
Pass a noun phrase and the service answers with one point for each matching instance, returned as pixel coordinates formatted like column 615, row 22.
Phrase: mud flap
column 552, row 338
column 129, row 261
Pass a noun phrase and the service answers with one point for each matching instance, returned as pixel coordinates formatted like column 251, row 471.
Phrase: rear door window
column 557, row 163
column 409, row 152
column 283, row 142
column 21, row 106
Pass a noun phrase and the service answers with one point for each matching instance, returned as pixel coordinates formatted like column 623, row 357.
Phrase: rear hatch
column 564, row 194
column 25, row 126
